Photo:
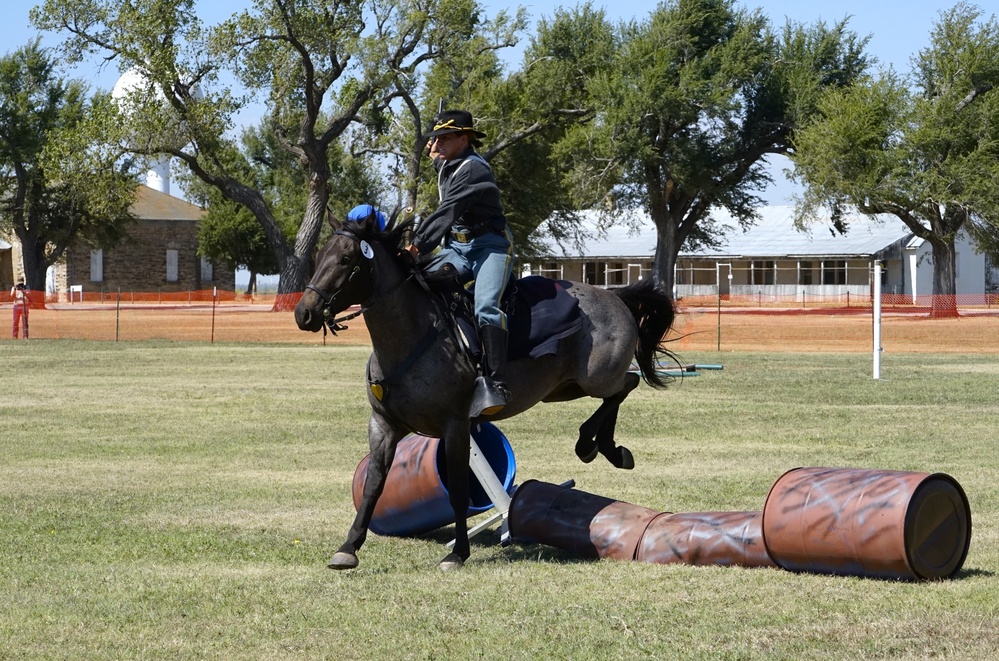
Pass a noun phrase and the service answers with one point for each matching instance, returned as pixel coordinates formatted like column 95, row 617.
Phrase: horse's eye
column 345, row 260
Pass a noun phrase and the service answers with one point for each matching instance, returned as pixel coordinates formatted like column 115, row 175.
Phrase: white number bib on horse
column 366, row 250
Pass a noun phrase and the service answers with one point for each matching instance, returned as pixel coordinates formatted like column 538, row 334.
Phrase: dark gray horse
column 420, row 379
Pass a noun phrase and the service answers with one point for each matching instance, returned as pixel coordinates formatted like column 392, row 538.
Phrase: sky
column 897, row 31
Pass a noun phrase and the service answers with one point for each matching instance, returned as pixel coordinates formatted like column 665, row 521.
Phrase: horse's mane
column 392, row 238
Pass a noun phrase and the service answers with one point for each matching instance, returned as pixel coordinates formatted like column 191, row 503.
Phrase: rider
column 476, row 238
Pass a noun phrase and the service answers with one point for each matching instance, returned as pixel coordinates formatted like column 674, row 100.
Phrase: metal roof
column 773, row 235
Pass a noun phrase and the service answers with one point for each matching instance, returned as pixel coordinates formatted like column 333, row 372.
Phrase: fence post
column 117, row 316
column 876, row 311
column 215, row 295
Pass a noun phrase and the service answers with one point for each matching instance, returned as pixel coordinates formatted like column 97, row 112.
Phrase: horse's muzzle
column 308, row 317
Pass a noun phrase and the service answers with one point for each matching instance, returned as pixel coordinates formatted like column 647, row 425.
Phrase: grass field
column 179, row 500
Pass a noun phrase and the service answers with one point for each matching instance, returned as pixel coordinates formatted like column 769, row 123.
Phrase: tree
column 230, row 233
column 524, row 113
column 701, row 94
column 59, row 183
column 549, row 97
column 925, row 150
column 317, row 63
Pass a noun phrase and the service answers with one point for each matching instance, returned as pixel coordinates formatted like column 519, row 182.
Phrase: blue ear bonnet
column 363, row 211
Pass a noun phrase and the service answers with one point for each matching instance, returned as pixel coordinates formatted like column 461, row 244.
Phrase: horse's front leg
column 382, row 441
column 456, row 451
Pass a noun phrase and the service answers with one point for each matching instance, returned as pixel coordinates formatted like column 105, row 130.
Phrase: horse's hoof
column 625, row 461
column 451, row 562
column 343, row 560
column 586, row 450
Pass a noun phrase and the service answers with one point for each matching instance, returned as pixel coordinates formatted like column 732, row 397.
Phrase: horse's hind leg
column 597, row 433
column 382, row 440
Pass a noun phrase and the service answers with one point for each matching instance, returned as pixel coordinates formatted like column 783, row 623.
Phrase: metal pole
column 215, row 295
column 718, row 283
column 117, row 316
column 877, row 319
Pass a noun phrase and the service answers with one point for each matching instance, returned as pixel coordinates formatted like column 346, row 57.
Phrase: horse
column 420, row 376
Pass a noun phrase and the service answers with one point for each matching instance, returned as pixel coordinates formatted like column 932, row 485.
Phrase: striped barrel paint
column 582, row 523
column 871, row 523
column 706, row 538
column 416, row 498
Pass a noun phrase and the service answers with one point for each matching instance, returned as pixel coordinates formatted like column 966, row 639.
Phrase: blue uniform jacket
column 469, row 198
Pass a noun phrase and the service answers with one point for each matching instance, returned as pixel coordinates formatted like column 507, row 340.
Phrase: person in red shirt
column 19, row 294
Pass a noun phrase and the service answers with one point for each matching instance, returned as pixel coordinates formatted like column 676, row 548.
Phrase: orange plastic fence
column 700, row 325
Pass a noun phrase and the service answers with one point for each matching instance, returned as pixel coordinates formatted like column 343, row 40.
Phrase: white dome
column 136, row 80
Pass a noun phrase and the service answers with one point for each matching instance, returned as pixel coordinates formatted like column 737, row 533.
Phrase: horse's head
column 346, row 270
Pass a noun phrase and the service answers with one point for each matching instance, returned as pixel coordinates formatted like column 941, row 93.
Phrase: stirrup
column 488, row 398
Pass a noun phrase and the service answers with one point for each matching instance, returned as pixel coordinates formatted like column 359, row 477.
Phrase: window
column 590, row 273
column 804, row 273
column 763, row 272
column 171, row 266
column 96, row 266
column 834, row 272
column 616, row 275
column 207, row 270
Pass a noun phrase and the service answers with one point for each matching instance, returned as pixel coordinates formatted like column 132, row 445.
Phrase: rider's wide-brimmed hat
column 454, row 121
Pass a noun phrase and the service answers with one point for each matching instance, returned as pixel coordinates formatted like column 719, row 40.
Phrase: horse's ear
column 331, row 219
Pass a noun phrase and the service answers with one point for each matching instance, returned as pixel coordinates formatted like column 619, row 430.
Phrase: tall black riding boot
column 490, row 395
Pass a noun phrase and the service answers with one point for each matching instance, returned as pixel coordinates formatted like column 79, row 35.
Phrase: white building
column 773, row 261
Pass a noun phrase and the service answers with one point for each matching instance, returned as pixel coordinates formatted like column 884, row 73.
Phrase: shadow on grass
column 516, row 550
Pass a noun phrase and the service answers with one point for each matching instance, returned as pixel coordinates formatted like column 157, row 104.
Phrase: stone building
column 159, row 255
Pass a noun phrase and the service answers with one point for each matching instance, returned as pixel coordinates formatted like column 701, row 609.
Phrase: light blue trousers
column 489, row 260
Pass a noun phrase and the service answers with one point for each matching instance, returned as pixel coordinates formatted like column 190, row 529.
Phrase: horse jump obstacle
column 870, row 523
column 416, row 500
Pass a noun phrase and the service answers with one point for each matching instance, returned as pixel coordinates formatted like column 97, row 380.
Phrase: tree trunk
column 944, row 279
column 667, row 248
column 665, row 260
column 34, row 265
column 297, row 263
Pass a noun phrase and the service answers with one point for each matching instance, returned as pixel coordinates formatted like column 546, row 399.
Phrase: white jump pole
column 877, row 319
column 494, row 489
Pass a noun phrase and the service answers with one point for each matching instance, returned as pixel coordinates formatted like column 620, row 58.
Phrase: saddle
column 540, row 312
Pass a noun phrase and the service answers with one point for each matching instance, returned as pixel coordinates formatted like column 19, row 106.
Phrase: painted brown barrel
column 416, row 498
column 582, row 523
column 872, row 523
column 706, row 538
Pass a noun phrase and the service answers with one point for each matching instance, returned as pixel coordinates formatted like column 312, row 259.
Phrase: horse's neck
column 398, row 321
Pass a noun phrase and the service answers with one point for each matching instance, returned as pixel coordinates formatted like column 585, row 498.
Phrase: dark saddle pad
column 540, row 313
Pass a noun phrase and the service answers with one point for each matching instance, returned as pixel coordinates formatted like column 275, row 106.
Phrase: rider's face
column 450, row 145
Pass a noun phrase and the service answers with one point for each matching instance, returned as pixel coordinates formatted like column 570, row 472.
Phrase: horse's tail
column 654, row 313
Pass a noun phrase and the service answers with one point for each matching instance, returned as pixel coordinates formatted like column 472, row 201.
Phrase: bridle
column 378, row 386
column 334, row 324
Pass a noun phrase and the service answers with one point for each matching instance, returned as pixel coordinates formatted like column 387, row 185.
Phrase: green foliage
column 699, row 94
column 924, row 149
column 60, row 180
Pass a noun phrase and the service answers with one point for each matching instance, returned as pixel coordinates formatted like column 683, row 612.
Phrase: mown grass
column 174, row 500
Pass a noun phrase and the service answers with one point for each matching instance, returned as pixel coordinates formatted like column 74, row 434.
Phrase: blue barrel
column 416, row 498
